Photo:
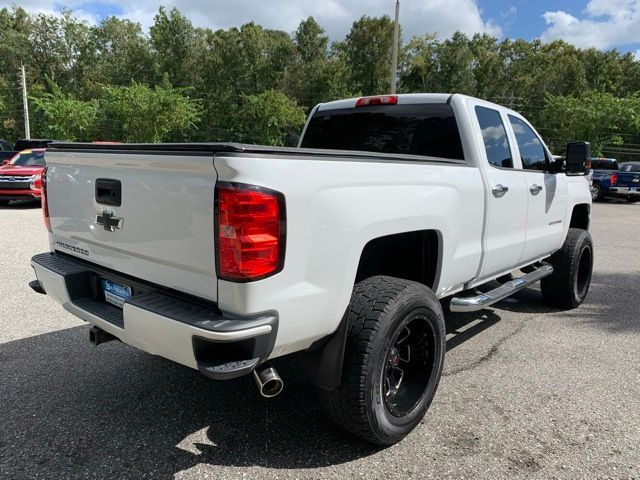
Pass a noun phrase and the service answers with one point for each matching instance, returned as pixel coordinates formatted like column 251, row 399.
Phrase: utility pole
column 394, row 54
column 25, row 104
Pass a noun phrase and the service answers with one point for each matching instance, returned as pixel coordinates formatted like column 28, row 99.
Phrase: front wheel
column 569, row 283
column 393, row 360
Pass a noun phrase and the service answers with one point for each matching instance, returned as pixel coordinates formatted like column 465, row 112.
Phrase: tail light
column 250, row 232
column 43, row 199
column 379, row 100
column 613, row 179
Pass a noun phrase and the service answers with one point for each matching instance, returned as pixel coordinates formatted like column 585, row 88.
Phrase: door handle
column 109, row 191
column 535, row 189
column 499, row 190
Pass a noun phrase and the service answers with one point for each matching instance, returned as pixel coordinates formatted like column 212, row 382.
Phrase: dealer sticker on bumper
column 115, row 293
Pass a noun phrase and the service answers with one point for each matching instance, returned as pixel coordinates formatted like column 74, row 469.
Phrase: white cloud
column 607, row 24
column 417, row 17
column 51, row 8
column 511, row 12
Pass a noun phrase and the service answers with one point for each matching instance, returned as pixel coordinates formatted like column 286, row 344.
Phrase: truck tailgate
column 162, row 229
column 629, row 179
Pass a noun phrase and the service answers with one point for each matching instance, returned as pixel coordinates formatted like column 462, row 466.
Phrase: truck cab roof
column 403, row 98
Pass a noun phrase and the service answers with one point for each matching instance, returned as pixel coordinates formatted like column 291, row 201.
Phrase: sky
column 604, row 24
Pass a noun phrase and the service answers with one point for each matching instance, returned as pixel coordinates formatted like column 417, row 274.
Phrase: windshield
column 31, row 159
column 426, row 129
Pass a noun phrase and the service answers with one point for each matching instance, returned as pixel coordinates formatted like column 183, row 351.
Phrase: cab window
column 494, row 135
column 532, row 152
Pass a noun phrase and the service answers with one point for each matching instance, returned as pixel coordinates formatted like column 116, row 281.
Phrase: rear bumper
column 184, row 329
column 625, row 190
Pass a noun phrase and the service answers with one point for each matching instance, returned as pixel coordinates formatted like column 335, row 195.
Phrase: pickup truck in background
column 609, row 180
column 20, row 177
column 221, row 256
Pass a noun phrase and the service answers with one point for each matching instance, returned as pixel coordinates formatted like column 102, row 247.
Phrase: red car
column 21, row 176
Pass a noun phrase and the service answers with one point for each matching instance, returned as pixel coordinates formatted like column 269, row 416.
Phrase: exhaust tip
column 272, row 388
column 268, row 381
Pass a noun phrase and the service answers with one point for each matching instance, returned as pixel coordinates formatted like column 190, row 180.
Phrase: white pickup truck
column 221, row 256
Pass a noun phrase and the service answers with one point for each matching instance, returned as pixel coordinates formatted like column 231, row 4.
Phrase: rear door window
column 494, row 135
column 417, row 129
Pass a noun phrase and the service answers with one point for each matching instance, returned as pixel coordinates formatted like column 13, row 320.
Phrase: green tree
column 139, row 113
column 311, row 42
column 367, row 51
column 269, row 118
column 420, row 71
column 174, row 39
column 596, row 117
column 60, row 48
column 237, row 62
column 123, row 53
column 63, row 117
column 314, row 75
column 456, row 61
column 487, row 67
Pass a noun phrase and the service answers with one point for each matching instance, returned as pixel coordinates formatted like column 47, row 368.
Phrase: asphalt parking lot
column 527, row 391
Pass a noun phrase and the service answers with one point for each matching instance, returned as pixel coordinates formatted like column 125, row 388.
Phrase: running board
column 472, row 304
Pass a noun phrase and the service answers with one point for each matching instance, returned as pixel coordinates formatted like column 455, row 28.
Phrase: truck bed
column 207, row 148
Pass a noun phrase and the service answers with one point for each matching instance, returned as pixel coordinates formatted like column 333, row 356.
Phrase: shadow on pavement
column 71, row 410
column 457, row 324
column 613, row 302
column 611, row 305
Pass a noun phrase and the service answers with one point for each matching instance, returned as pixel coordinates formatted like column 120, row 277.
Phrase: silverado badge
column 108, row 221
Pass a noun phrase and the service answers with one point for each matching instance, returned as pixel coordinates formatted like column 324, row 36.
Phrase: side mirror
column 578, row 155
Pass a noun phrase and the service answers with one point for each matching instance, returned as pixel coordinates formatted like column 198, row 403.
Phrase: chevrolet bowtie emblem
column 108, row 221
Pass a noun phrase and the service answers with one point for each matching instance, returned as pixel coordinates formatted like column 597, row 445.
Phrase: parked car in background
column 32, row 143
column 609, row 180
column 7, row 156
column 5, row 146
column 7, row 152
column 21, row 179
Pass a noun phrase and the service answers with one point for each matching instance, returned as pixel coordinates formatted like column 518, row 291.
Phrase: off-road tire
column 380, row 307
column 569, row 283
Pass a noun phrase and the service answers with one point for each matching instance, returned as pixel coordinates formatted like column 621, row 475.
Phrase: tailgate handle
column 109, row 191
